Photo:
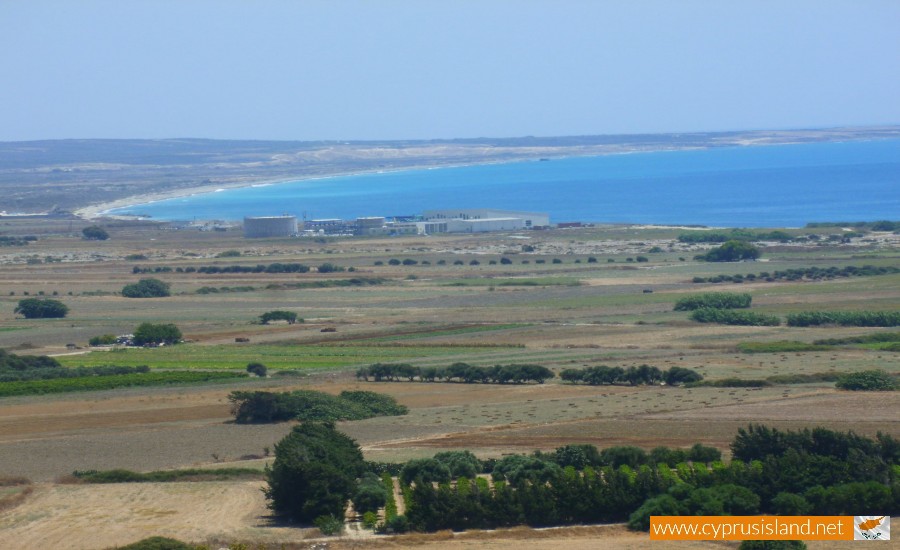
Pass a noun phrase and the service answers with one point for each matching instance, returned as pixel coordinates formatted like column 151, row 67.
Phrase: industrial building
column 480, row 220
column 531, row 220
column 270, row 226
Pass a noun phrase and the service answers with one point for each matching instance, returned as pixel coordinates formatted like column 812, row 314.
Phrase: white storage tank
column 270, row 226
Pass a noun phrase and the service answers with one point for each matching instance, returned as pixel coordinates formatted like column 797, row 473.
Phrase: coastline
column 528, row 154
column 100, row 210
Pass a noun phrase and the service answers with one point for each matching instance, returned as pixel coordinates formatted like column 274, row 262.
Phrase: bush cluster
column 16, row 241
column 278, row 315
column 146, row 288
column 257, row 407
column 457, row 372
column 714, row 300
column 869, row 380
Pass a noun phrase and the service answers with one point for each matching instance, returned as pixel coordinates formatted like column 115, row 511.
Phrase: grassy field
column 560, row 315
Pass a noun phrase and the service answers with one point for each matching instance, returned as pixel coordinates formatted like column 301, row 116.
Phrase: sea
column 749, row 186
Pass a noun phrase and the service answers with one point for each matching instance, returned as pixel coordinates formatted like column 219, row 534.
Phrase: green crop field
column 279, row 357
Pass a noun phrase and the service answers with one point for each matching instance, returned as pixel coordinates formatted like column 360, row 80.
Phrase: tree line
column 803, row 273
column 457, row 372
column 276, row 267
column 317, row 470
column 634, row 376
column 844, row 318
column 714, row 300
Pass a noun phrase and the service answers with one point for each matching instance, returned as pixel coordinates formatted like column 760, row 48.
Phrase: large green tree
column 314, row 473
column 731, row 251
column 36, row 308
column 150, row 333
column 146, row 288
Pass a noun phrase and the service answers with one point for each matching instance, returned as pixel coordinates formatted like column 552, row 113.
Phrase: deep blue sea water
column 763, row 186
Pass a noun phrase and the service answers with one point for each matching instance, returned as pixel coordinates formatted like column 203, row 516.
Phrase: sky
column 437, row 69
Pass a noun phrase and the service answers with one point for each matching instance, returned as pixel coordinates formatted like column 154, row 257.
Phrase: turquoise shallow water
column 766, row 186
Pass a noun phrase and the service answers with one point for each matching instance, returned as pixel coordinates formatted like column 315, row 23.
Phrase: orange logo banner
column 751, row 527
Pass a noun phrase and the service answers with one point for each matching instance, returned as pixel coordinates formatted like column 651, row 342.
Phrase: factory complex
column 475, row 220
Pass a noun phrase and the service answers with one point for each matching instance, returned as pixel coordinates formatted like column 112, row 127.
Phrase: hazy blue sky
column 392, row 69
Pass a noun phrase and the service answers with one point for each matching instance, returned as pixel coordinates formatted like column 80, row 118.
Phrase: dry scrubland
column 561, row 315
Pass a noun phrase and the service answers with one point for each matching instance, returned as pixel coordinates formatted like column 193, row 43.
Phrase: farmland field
column 572, row 314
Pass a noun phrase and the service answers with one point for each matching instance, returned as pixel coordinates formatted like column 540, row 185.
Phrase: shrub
column 104, row 340
column 278, row 315
column 146, row 288
column 228, row 254
column 681, row 375
column 731, row 251
column 95, row 233
column 329, row 525
column 36, row 308
column 870, row 380
column 258, row 369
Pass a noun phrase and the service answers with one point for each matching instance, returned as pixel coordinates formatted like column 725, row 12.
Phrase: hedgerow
column 714, row 300
column 732, row 317
column 844, row 318
column 457, row 372
column 802, row 273
column 91, row 383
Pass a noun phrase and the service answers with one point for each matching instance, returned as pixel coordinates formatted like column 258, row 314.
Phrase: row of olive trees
column 643, row 375
column 457, row 372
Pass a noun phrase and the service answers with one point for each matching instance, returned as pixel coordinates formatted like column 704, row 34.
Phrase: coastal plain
column 567, row 298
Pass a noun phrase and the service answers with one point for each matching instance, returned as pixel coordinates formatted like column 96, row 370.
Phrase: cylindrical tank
column 270, row 226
